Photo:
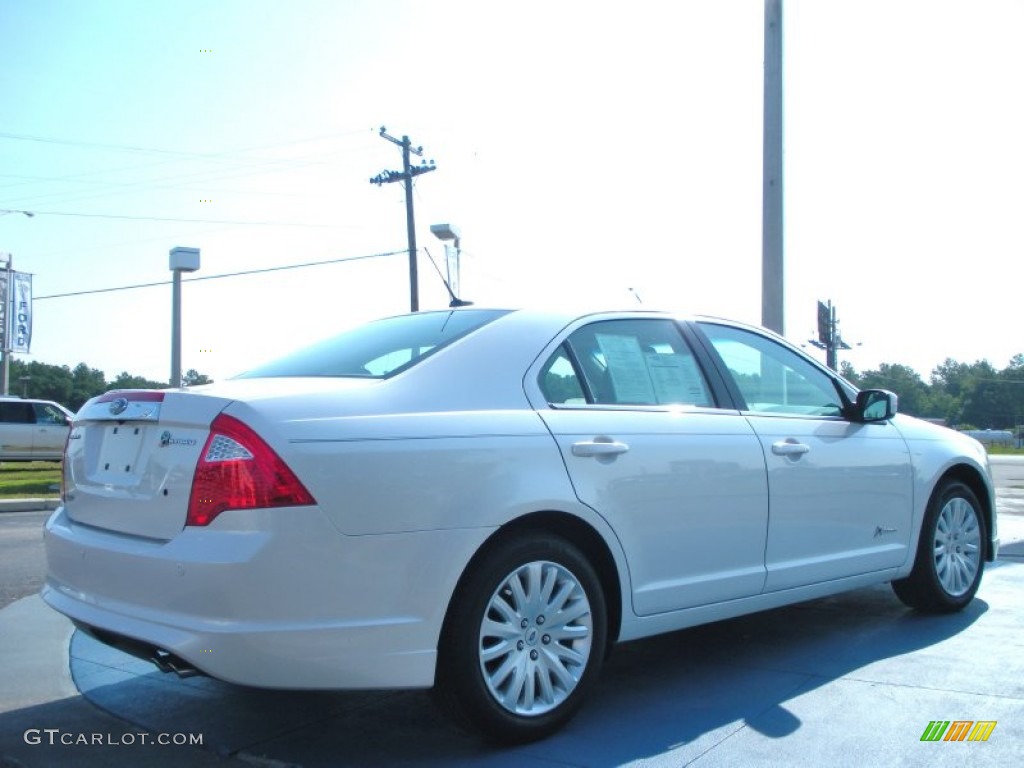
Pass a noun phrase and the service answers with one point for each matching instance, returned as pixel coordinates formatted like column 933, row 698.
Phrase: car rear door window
column 625, row 362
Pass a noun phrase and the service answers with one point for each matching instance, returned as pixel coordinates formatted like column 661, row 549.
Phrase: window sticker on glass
column 676, row 379
column 627, row 367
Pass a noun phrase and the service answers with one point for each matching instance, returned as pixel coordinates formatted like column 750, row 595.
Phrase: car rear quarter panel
column 414, row 472
column 451, row 442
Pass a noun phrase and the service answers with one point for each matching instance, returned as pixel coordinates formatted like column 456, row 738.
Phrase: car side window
column 772, row 378
column 628, row 362
column 559, row 381
column 47, row 414
column 17, row 413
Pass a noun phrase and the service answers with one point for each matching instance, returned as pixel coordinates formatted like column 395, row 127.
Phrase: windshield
column 381, row 348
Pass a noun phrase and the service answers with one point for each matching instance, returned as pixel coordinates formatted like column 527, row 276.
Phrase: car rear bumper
column 268, row 598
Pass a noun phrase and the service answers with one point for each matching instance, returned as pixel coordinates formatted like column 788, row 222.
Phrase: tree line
column 963, row 395
column 71, row 387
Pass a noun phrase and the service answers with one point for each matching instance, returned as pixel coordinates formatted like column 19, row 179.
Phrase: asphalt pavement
column 850, row 680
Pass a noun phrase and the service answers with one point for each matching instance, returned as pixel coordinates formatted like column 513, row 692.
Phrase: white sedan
column 484, row 501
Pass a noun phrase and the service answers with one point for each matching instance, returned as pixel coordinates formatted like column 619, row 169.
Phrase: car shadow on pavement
column 697, row 687
column 686, row 690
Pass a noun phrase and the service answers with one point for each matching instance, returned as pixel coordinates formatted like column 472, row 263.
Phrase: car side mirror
column 875, row 405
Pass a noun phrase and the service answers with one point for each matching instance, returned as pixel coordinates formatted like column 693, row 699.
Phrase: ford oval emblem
column 118, row 406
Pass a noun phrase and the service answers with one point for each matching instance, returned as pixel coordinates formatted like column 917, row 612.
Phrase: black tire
column 950, row 553
column 552, row 646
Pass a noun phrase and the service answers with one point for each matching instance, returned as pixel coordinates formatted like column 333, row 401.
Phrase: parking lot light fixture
column 182, row 260
column 453, row 254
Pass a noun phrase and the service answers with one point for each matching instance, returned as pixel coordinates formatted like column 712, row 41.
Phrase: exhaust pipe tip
column 164, row 661
column 168, row 662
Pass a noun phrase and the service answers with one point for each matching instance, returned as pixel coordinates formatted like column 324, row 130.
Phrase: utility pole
column 772, row 262
column 828, row 335
column 406, row 174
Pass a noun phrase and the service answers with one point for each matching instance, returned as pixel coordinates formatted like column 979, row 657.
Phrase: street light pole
column 182, row 260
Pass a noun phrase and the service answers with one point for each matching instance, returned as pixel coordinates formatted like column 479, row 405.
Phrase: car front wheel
column 950, row 554
column 523, row 641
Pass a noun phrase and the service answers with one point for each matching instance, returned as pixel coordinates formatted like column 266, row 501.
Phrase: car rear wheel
column 523, row 641
column 950, row 553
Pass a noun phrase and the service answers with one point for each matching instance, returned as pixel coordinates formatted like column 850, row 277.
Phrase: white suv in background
column 32, row 430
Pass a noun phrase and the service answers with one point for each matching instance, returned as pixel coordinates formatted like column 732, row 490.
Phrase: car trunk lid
column 130, row 460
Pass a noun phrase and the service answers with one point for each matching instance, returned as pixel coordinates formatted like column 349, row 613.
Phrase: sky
column 605, row 152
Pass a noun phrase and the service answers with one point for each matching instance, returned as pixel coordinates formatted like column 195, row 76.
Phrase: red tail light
column 238, row 470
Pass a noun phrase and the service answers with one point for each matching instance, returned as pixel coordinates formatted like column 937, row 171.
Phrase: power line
column 236, row 171
column 180, row 221
column 114, row 185
column 239, row 165
column 159, row 151
column 218, row 277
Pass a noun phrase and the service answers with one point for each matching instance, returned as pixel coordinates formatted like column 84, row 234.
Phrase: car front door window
column 771, row 378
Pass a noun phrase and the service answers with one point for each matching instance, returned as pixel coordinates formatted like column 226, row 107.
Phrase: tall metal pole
column 772, row 264
column 181, row 260
column 176, row 329
column 414, row 280
column 9, row 294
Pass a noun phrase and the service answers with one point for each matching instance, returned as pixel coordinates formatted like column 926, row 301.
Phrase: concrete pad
column 45, row 721
column 33, row 646
column 854, row 723
column 850, row 680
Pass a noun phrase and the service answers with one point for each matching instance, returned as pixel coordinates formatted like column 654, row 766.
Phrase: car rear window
column 381, row 348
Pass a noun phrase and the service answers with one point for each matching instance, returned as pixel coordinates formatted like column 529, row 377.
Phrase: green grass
column 1001, row 450
column 41, row 479
column 29, row 479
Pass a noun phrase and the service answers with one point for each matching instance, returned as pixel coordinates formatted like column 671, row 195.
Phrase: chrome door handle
column 789, row 448
column 598, row 447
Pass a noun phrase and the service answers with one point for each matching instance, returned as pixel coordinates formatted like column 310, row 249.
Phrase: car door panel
column 685, row 493
column 680, row 480
column 841, row 492
column 17, row 430
column 839, row 506
column 50, row 431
